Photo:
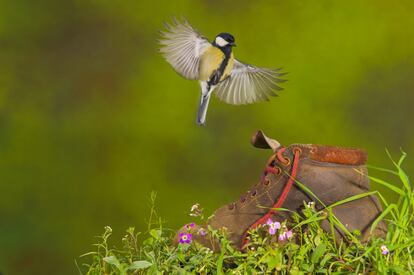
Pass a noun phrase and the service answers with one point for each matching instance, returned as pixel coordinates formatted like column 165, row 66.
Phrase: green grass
column 315, row 251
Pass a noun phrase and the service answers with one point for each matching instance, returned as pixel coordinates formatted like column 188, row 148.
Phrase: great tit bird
column 214, row 66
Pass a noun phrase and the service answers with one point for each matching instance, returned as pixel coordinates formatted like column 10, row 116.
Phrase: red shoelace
column 270, row 169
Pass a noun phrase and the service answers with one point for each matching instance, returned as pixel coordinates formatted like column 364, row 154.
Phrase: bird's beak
column 233, row 44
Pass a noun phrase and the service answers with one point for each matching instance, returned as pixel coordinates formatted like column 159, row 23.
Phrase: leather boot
column 331, row 173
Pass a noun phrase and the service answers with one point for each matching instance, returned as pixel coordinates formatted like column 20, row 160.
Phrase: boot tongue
column 260, row 140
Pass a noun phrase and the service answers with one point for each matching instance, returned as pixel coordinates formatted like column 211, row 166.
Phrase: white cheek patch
column 221, row 42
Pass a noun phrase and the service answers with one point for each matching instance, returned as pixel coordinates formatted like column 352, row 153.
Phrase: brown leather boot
column 331, row 173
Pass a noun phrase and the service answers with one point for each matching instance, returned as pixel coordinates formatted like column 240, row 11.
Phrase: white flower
column 195, row 207
column 310, row 204
column 195, row 210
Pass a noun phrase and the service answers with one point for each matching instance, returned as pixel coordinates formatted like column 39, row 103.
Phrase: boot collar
column 321, row 153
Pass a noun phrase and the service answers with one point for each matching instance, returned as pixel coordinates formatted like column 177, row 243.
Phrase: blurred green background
column 92, row 118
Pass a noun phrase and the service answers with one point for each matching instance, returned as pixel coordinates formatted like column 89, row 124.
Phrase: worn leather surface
column 331, row 173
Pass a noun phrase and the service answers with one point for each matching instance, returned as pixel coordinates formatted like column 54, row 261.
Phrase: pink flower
column 189, row 226
column 185, row 237
column 384, row 250
column 273, row 226
column 285, row 235
column 202, row 232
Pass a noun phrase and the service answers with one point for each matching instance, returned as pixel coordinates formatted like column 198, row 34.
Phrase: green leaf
column 404, row 179
column 402, row 158
column 325, row 259
column 308, row 191
column 314, row 218
column 139, row 265
column 307, row 267
column 89, row 253
column 352, row 198
column 381, row 169
column 156, row 234
column 318, row 252
column 219, row 266
column 112, row 260
column 388, row 185
column 295, row 271
column 272, row 262
column 317, row 240
column 332, row 225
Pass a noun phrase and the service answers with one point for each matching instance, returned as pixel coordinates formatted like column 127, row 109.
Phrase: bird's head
column 224, row 40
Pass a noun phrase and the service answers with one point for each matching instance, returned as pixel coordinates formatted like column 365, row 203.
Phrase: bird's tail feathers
column 205, row 99
column 202, row 109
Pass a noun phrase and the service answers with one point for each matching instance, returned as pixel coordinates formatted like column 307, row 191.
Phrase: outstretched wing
column 182, row 46
column 248, row 84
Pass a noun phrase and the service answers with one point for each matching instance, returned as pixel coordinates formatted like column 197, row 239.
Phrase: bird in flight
column 214, row 66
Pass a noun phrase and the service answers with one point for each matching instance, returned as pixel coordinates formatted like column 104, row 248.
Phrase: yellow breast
column 209, row 62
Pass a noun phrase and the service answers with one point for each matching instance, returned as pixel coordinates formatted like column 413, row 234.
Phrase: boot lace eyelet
column 281, row 157
column 297, row 150
column 286, row 161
